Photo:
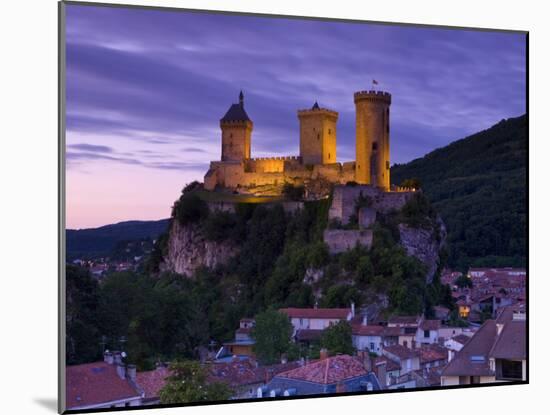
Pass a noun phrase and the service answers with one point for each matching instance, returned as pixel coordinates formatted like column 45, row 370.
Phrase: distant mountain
column 479, row 186
column 94, row 242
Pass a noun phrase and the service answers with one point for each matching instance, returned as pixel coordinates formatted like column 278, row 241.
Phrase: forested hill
column 478, row 185
column 89, row 243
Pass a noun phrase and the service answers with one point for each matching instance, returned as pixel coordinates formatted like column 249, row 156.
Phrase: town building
column 336, row 374
column 495, row 353
column 99, row 385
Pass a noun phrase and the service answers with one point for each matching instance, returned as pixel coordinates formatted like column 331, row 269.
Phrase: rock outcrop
column 423, row 244
column 188, row 250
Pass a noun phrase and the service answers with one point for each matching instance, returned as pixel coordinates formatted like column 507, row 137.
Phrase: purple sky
column 146, row 90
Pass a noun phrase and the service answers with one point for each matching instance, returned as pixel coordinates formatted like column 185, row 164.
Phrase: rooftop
column 328, row 371
column 96, row 383
column 320, row 313
column 401, row 352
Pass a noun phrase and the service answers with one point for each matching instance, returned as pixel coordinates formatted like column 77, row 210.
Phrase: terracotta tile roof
column 430, row 325
column 152, row 381
column 432, row 375
column 390, row 364
column 404, row 320
column 328, row 371
column 511, row 343
column 245, row 372
column 367, row 330
column 334, row 313
column 392, row 331
column 432, row 353
column 96, row 383
column 473, row 358
column 401, row 352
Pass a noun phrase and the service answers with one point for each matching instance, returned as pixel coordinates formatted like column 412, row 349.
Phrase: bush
column 189, row 208
column 292, row 192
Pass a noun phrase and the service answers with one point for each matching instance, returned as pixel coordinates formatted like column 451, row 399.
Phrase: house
column 432, row 355
column 342, row 373
column 407, row 325
column 243, row 344
column 495, row 353
column 407, row 359
column 367, row 337
column 446, row 332
column 317, row 318
column 428, row 332
column 246, row 376
column 457, row 342
column 106, row 384
column 151, row 382
column 391, row 368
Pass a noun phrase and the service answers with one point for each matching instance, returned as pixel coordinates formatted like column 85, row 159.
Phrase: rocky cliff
column 188, row 250
column 424, row 244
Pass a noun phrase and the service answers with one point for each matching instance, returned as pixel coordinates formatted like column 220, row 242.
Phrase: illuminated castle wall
column 317, row 160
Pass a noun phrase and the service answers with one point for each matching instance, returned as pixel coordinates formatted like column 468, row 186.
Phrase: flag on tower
column 374, row 82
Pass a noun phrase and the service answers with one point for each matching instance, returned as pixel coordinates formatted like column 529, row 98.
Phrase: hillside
column 478, row 184
column 93, row 242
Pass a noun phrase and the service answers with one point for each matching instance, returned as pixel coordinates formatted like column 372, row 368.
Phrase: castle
column 317, row 161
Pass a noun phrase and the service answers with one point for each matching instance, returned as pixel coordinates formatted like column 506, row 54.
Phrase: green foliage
column 220, row 226
column 418, row 212
column 413, row 183
column 293, row 192
column 464, row 282
column 478, row 186
column 272, row 334
column 82, row 340
column 189, row 208
column 337, row 338
column 341, row 296
column 188, row 383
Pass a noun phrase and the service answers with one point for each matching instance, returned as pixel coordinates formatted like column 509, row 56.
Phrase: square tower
column 318, row 135
column 236, row 132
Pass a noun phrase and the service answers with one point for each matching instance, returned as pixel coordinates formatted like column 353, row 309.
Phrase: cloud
column 91, row 148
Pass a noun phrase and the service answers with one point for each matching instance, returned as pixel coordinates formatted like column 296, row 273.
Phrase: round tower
column 372, row 138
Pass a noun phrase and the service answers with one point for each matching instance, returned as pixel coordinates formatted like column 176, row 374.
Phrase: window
column 426, row 334
column 329, row 131
column 475, row 379
column 371, row 347
column 329, row 156
column 509, row 369
column 318, row 136
column 387, row 164
column 375, row 146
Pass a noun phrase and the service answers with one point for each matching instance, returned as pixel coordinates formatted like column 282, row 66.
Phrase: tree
column 272, row 334
column 463, row 281
column 337, row 338
column 188, row 382
column 293, row 192
column 83, row 339
column 189, row 208
column 413, row 183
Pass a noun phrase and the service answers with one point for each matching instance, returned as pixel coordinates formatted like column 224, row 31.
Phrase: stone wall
column 345, row 197
column 340, row 240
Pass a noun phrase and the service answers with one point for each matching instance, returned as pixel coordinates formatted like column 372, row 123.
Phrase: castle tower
column 236, row 132
column 318, row 135
column 372, row 138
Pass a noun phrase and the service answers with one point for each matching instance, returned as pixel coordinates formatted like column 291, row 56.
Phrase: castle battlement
column 318, row 111
column 372, row 95
column 276, row 158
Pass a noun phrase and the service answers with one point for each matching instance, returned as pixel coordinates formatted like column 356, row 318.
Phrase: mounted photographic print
column 259, row 207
